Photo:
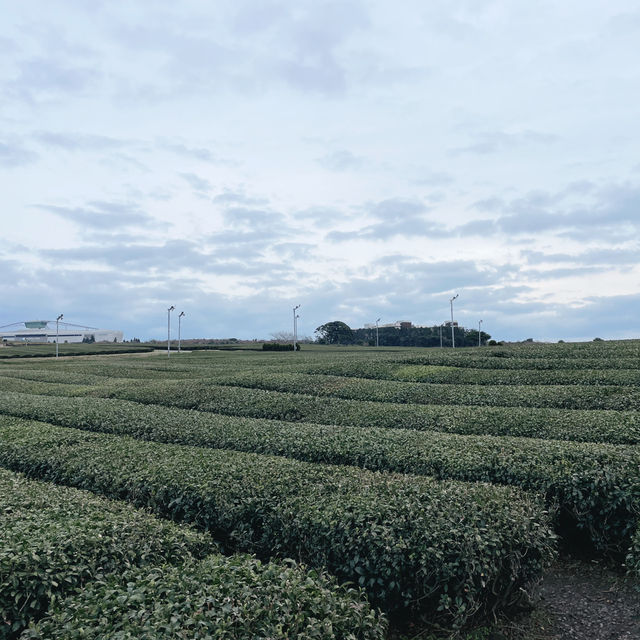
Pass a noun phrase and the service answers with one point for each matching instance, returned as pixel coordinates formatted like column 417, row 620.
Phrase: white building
column 45, row 331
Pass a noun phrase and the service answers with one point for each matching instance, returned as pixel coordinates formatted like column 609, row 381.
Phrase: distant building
column 399, row 324
column 42, row 331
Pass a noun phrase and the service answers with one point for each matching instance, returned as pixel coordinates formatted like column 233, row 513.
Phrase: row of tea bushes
column 468, row 359
column 49, row 350
column 615, row 427
column 459, row 375
column 595, row 487
column 55, row 539
column 236, row 598
column 94, row 566
column 442, row 550
column 537, row 396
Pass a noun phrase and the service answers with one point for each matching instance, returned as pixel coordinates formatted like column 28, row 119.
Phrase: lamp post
column 377, row 341
column 57, row 332
column 479, row 332
column 179, row 319
column 169, row 310
column 295, row 326
column 453, row 335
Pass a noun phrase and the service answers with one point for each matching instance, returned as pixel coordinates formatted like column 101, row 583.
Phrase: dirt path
column 581, row 600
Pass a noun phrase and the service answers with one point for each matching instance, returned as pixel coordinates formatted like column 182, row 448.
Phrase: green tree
column 335, row 332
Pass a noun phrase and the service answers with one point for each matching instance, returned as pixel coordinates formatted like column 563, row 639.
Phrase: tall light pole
column 169, row 310
column 179, row 318
column 377, row 341
column 479, row 332
column 57, row 332
column 453, row 335
column 295, row 326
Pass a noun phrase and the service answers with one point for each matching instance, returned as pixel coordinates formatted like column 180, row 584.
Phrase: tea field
column 327, row 493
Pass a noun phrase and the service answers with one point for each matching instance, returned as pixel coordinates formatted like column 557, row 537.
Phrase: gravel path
column 579, row 600
column 588, row 601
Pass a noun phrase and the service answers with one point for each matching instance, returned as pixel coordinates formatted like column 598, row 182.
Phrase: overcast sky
column 362, row 159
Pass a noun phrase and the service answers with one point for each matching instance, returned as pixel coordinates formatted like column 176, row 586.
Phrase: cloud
column 609, row 257
column 394, row 217
column 14, row 154
column 321, row 216
column 491, row 142
column 229, row 197
column 340, row 161
column 434, row 179
column 612, row 209
column 43, row 78
column 72, row 141
column 103, row 215
column 196, row 182
column 202, row 154
column 252, row 218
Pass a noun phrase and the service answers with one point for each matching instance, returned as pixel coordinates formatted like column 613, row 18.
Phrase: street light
column 295, row 326
column 377, row 342
column 169, row 310
column 479, row 332
column 179, row 318
column 57, row 332
column 453, row 335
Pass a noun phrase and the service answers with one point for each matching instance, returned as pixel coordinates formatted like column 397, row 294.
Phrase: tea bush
column 441, row 550
column 223, row 598
column 55, row 539
column 615, row 427
column 595, row 487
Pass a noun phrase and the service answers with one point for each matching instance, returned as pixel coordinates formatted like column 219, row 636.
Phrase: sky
column 360, row 159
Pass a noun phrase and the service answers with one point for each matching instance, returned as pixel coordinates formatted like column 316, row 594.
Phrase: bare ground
column 579, row 600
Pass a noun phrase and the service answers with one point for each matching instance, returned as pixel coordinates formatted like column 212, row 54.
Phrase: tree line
column 337, row 332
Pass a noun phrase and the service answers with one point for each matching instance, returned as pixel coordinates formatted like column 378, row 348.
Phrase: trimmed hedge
column 441, row 550
column 496, row 359
column 276, row 346
column 55, row 539
column 556, row 396
column 49, row 350
column 459, row 375
column 615, row 427
column 232, row 598
column 595, row 487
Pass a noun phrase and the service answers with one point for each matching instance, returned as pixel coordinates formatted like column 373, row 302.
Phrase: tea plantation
column 328, row 493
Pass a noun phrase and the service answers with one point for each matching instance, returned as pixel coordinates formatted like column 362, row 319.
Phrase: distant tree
column 89, row 339
column 598, row 340
column 335, row 332
column 282, row 336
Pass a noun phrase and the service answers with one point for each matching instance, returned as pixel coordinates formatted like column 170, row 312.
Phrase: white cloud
column 356, row 157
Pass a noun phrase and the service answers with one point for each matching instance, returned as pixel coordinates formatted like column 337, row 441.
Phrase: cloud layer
column 360, row 159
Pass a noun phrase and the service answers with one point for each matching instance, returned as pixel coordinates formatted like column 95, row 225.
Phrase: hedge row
column 442, row 550
column 458, row 375
column 55, row 539
column 557, row 396
column 443, row 374
column 230, row 598
column 470, row 360
column 615, row 427
column 49, row 351
column 276, row 346
column 595, row 487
